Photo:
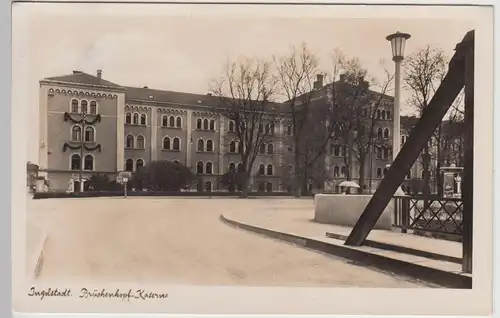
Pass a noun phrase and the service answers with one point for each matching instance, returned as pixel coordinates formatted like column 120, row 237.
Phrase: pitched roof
column 79, row 77
column 148, row 94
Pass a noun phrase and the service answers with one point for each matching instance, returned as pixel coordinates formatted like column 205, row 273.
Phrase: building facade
column 125, row 128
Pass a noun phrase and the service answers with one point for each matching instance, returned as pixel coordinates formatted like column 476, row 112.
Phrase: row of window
column 136, row 119
column 83, row 106
column 383, row 114
column 383, row 133
column 269, row 149
column 76, row 162
column 138, row 142
column 76, row 133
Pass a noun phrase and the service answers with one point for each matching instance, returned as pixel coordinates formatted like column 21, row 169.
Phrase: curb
column 387, row 264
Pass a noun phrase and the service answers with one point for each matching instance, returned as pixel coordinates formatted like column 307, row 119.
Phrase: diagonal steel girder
column 431, row 118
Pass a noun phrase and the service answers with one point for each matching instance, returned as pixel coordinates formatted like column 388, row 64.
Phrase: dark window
column 212, row 124
column 130, row 141
column 336, row 172
column 262, row 170
column 140, row 142
column 205, row 124
column 379, row 133
column 164, row 121
column 129, row 165
column 386, row 133
column 240, row 167
column 232, row 166
column 84, row 107
column 171, row 121
column 166, row 143
column 128, row 118
column 262, row 149
column 210, row 145
column 178, row 122
column 269, row 170
column 177, row 144
column 198, row 123
column 232, row 146
column 76, row 133
column 379, row 173
column 89, row 162
column 89, row 134
column 201, row 145
column 199, row 167
column 139, row 164
column 231, row 125
column 143, row 119
column 93, row 107
column 289, row 130
column 270, row 149
column 136, row 119
column 74, row 106
column 269, row 187
column 208, row 168
column 75, row 162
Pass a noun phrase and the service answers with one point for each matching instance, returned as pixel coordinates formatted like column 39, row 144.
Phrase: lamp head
column 398, row 41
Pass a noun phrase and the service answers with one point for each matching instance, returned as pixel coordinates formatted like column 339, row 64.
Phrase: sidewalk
column 297, row 220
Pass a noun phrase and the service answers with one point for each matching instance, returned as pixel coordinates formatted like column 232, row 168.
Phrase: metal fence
column 441, row 216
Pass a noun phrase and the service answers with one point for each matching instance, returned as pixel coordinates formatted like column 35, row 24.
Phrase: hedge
column 120, row 193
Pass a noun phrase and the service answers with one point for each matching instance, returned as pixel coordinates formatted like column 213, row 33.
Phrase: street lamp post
column 398, row 41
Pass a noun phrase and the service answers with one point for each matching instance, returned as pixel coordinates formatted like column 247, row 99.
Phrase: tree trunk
column 244, row 190
column 361, row 173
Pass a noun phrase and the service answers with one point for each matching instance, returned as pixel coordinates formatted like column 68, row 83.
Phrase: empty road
column 182, row 241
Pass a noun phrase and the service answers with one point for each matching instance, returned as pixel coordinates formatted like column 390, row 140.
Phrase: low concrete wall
column 345, row 209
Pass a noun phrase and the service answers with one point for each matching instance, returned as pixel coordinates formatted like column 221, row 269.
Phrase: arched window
column 379, row 133
column 336, row 151
column 178, row 122
column 76, row 133
column 128, row 118
column 232, row 146
column 129, row 165
column 140, row 142
column 83, row 107
column 212, row 124
column 166, row 143
column 205, row 124
column 262, row 149
column 240, row 167
column 176, row 144
column 210, row 145
column 93, row 107
column 199, row 167
column 232, row 166
column 262, row 169
column 231, row 126
column 343, row 171
column 201, row 145
column 136, row 119
column 171, row 121
column 379, row 173
column 269, row 170
column 143, row 119
column 388, row 114
column 89, row 134
column 164, row 121
column 139, row 164
column 289, row 130
column 383, row 114
column 75, row 162
column 386, row 133
column 88, row 162
column 130, row 141
column 208, row 168
column 198, row 123
column 336, row 172
column 379, row 153
column 269, row 187
column 270, row 149
column 176, row 162
column 385, row 171
column 74, row 106
column 386, row 153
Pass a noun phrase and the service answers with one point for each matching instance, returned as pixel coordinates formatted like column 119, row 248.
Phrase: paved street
column 180, row 240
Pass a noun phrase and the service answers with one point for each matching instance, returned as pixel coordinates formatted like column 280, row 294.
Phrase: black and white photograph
column 217, row 149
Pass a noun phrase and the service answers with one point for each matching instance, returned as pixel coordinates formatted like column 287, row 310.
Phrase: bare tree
column 296, row 74
column 245, row 91
column 424, row 72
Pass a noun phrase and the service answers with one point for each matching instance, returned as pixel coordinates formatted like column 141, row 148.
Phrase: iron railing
column 441, row 216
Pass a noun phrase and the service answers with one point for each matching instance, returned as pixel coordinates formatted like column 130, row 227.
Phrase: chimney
column 342, row 78
column 99, row 73
column 319, row 81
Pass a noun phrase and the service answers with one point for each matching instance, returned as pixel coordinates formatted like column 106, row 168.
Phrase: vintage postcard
column 252, row 159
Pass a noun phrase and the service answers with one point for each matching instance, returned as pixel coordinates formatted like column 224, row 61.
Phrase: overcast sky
column 183, row 50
